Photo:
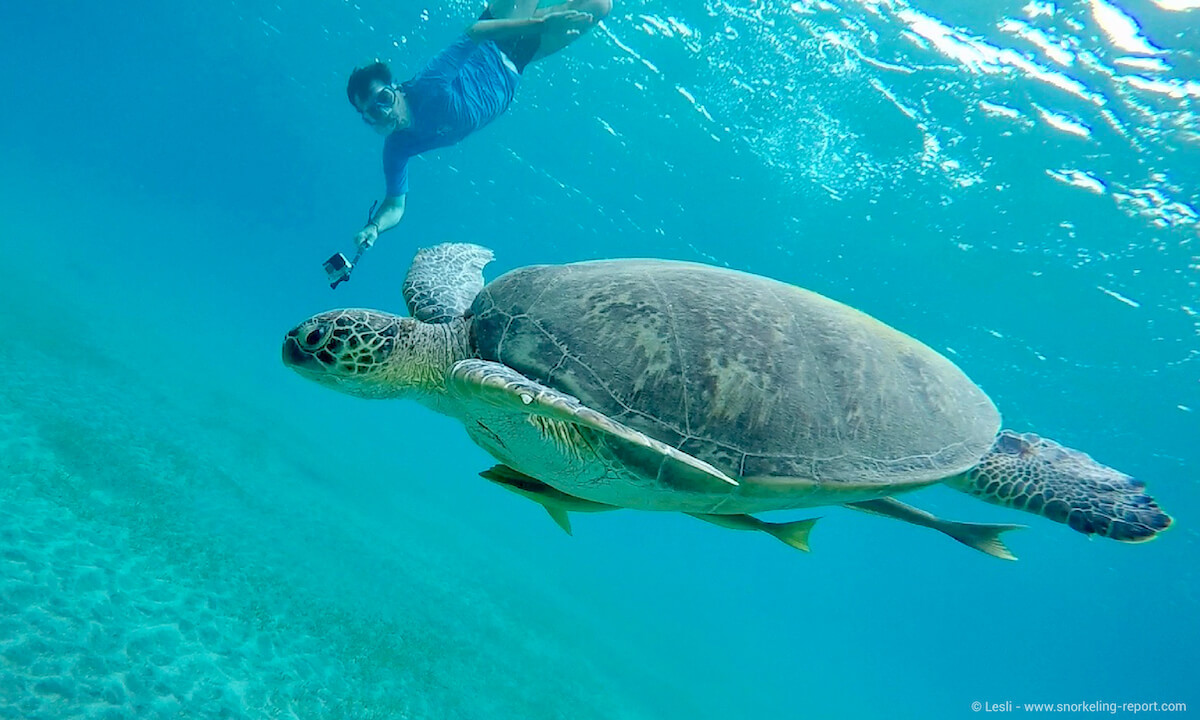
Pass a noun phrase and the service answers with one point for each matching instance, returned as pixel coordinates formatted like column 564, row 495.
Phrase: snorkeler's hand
column 367, row 236
column 567, row 22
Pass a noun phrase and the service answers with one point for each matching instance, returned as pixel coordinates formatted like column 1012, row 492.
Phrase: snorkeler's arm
column 390, row 211
column 388, row 216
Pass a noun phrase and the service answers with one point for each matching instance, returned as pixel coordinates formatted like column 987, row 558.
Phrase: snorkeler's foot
column 557, row 38
column 598, row 9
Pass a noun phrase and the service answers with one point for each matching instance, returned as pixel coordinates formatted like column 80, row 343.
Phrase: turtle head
column 369, row 354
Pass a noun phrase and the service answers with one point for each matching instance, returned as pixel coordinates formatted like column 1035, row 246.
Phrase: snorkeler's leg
column 552, row 42
column 503, row 9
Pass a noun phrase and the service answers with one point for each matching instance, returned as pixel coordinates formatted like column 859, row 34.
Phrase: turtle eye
column 315, row 337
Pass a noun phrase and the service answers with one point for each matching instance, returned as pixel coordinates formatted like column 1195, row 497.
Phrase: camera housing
column 337, row 269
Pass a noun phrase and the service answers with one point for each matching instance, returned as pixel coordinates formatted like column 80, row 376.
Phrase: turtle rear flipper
column 1031, row 473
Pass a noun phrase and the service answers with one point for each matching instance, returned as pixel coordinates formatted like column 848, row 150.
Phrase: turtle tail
column 1031, row 473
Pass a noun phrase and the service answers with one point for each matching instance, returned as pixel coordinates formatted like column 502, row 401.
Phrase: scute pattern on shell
column 761, row 379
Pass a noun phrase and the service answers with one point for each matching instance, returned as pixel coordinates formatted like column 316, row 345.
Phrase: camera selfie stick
column 337, row 267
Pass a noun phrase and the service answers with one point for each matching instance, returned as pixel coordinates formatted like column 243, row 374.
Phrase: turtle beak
column 293, row 356
column 303, row 345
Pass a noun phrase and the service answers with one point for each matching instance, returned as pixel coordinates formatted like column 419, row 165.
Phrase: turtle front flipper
column 573, row 428
column 443, row 281
column 1031, row 473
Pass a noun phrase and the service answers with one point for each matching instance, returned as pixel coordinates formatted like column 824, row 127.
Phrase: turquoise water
column 188, row 529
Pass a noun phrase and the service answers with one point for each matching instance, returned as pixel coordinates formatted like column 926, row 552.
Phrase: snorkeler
column 463, row 88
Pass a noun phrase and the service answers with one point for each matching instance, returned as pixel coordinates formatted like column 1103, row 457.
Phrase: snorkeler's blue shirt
column 463, row 88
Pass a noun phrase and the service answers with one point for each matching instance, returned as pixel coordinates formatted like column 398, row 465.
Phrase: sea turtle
column 676, row 386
